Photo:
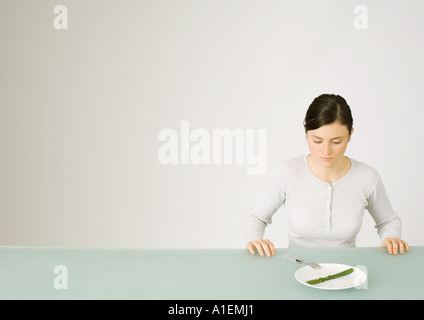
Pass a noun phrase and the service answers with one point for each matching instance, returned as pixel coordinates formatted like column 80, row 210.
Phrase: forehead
column 330, row 131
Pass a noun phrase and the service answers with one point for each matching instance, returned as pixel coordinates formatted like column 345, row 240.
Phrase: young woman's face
column 328, row 143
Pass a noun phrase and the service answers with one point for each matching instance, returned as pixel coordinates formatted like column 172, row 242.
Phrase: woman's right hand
column 261, row 245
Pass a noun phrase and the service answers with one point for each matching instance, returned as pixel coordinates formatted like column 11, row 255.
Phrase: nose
column 327, row 149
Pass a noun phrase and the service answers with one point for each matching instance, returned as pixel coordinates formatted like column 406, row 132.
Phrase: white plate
column 354, row 279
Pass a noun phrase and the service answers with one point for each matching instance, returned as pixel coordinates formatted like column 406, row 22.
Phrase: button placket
column 328, row 209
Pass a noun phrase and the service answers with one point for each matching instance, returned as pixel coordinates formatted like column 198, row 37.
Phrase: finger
column 391, row 245
column 395, row 245
column 405, row 245
column 250, row 247
column 271, row 247
column 388, row 244
column 258, row 247
column 266, row 247
column 401, row 246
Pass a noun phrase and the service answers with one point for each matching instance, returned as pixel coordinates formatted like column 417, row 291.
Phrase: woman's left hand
column 394, row 245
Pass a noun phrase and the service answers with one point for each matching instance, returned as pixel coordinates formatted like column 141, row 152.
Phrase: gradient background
column 81, row 110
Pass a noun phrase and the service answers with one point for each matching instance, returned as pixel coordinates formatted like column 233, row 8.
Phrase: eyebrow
column 330, row 139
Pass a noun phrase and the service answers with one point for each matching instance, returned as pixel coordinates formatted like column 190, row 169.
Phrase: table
column 199, row 274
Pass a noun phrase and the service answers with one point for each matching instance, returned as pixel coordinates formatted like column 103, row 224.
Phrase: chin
column 326, row 164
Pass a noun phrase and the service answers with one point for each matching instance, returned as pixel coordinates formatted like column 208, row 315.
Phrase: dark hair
column 327, row 109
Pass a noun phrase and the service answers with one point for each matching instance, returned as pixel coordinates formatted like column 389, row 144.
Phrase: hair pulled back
column 327, row 109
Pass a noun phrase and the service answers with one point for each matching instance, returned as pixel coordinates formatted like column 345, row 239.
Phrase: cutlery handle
column 291, row 258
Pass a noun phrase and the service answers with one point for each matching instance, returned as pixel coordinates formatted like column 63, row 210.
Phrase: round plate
column 354, row 279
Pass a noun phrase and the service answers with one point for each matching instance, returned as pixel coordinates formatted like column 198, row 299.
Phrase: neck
column 331, row 173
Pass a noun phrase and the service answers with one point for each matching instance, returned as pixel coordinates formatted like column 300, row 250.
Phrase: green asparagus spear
column 333, row 276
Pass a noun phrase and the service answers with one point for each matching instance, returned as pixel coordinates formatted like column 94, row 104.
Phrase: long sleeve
column 259, row 215
column 321, row 213
column 254, row 227
column 388, row 224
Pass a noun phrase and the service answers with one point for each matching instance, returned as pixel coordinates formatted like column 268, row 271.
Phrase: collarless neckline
column 340, row 180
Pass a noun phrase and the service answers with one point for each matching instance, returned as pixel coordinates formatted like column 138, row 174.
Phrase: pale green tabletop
column 29, row 273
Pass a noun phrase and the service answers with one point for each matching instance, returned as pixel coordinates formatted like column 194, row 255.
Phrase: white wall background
column 81, row 109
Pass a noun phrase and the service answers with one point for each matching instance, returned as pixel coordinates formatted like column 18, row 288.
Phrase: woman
column 325, row 193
